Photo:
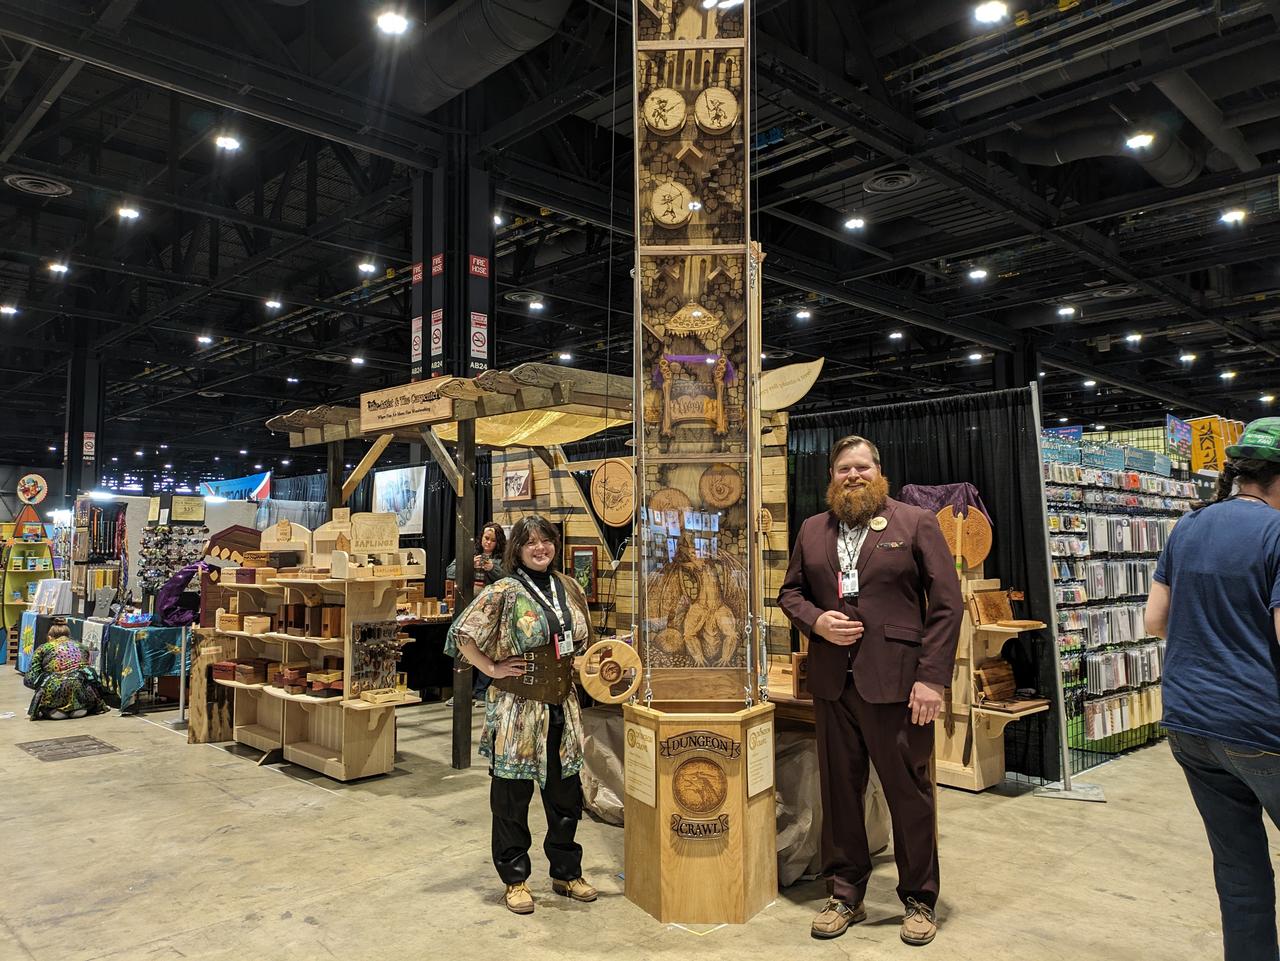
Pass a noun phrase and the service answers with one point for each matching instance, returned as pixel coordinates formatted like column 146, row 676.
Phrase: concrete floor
column 165, row 850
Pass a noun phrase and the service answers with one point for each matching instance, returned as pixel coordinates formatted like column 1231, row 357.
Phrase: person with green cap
column 1216, row 597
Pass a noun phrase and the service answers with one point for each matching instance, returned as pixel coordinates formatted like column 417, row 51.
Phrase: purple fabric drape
column 937, row 496
column 169, row 598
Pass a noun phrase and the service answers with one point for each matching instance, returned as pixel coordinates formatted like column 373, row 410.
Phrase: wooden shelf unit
column 969, row 738
column 21, row 579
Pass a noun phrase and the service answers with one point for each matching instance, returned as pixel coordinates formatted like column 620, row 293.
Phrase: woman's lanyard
column 562, row 628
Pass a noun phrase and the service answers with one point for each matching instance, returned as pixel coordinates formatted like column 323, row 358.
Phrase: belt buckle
column 527, row 677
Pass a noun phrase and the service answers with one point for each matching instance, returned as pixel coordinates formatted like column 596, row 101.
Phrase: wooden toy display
column 301, row 655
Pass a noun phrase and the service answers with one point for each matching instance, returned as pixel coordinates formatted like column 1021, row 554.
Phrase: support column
column 1017, row 368
column 83, row 422
column 464, row 536
column 333, row 489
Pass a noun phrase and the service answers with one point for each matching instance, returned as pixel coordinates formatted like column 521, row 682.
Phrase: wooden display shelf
column 332, row 643
column 318, row 757
column 283, row 695
column 240, row 685
column 356, row 704
column 335, row 582
column 259, row 736
column 271, row 588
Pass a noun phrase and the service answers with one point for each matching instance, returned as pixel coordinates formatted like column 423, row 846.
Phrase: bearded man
column 874, row 586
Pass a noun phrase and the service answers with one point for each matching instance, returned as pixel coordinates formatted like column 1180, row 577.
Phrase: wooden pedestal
column 700, row 822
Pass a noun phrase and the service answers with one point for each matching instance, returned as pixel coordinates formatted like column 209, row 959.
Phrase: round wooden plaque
column 670, row 204
column 613, row 493
column 700, row 785
column 611, row 671
column 664, row 111
column 670, row 499
column 715, row 111
column 720, row 486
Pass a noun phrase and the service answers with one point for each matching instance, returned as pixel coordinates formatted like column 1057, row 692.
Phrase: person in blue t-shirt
column 1216, row 597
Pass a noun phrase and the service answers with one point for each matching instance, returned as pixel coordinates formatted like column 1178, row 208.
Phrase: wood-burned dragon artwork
column 697, row 607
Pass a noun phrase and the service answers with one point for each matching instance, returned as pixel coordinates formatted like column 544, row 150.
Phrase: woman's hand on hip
column 507, row 667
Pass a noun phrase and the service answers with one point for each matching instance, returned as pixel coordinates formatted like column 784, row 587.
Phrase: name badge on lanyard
column 562, row 641
column 847, row 581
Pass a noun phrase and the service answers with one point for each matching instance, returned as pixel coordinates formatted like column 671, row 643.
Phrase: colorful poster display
column 1208, row 443
column 1177, row 436
column 255, row 487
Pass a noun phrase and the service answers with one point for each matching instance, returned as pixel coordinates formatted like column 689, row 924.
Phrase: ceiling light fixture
column 1091, row 383
column 497, row 220
column 291, row 380
column 1066, row 311
column 58, row 268
column 357, row 360
column 168, row 467
column 978, row 273
column 1267, row 398
column 993, row 11
column 164, row 446
column 127, row 213
column 392, row 23
column 272, row 304
column 565, row 355
column 1233, row 216
column 1099, row 426
column 286, row 462
column 1062, row 420
column 975, row 356
column 225, row 142
column 536, row 305
column 243, row 451
column 8, row 310
column 1187, row 358
column 855, row 223
column 257, row 467
column 367, row 268
column 803, row 314
column 1140, row 140
column 1041, row 374
column 51, row 447
column 1133, row 338
column 896, row 335
column 1228, row 375
column 204, row 339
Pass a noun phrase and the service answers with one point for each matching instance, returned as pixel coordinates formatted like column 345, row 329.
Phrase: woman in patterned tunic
column 523, row 631
column 65, row 685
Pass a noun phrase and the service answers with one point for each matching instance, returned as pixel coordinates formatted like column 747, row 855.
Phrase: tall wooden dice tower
column 700, row 834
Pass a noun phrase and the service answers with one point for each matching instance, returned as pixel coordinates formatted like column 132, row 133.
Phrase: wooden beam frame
column 435, row 447
column 366, row 463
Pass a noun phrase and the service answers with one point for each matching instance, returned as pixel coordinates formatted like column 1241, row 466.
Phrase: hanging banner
column 479, row 341
column 1208, row 443
column 255, row 487
column 1065, row 433
column 1177, row 437
column 401, row 492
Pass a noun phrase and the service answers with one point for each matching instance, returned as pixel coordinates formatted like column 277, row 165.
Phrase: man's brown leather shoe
column 578, row 889
column 518, row 898
column 920, row 924
column 835, row 917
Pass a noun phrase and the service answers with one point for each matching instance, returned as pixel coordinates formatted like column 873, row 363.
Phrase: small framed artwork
column 582, row 568
column 517, row 484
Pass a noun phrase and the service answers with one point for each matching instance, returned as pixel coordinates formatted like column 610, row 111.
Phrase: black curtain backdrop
column 989, row 440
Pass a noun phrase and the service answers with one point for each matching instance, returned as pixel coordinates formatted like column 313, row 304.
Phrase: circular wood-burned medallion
column 700, row 785
column 670, row 499
column 664, row 111
column 611, row 671
column 613, row 493
column 670, row 204
column 720, row 486
column 715, row 111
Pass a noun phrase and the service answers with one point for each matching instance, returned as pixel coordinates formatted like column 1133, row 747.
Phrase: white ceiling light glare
column 1133, row 338
column 8, row 310
column 1233, row 216
column 565, row 355
column 291, row 380
column 993, row 11
column 1140, row 140
column 243, row 451
column 357, row 360
column 1187, row 358
column 58, row 267
column 272, row 304
column 1228, row 375
column 286, row 462
column 978, row 273
column 1099, row 426
column 1267, row 398
column 137, row 453
column 365, row 267
column 204, row 339
column 226, row 142
column 803, row 314
column 1091, row 383
column 975, row 356
column 497, row 220
column 392, row 23
column 855, row 223
column 1062, row 420
column 537, row 305
column 127, row 213
column 1066, row 310
column 896, row 335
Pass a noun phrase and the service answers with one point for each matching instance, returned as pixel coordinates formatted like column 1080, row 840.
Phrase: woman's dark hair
column 522, row 532
column 1246, row 469
column 499, row 539
column 58, row 630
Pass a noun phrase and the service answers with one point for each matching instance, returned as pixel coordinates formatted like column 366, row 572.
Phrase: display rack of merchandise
column 165, row 550
column 99, row 548
column 1110, row 512
column 315, row 652
column 26, row 562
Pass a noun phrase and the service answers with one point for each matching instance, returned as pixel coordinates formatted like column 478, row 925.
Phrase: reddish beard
column 856, row 506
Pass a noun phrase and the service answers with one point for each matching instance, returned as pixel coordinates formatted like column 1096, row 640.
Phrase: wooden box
column 256, row 623
column 245, row 575
column 333, row 662
column 224, row 671
column 295, row 619
column 233, row 603
column 331, row 621
column 264, row 575
column 800, row 676
column 228, row 622
column 699, row 798
column 315, row 622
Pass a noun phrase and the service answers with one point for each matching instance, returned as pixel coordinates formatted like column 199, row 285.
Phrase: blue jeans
column 1232, row 786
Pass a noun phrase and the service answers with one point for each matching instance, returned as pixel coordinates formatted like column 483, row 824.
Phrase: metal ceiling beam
column 552, row 109
column 234, row 82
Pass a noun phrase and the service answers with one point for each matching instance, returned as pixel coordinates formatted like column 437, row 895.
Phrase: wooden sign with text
column 404, row 406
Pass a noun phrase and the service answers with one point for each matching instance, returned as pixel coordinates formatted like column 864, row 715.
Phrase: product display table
column 128, row 656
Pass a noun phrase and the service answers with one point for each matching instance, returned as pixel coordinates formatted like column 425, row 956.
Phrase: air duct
column 1169, row 161
column 467, row 43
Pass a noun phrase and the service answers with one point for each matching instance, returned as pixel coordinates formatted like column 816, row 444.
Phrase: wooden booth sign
column 405, row 406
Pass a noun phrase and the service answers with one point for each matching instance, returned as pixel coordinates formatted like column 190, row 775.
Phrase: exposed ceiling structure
column 1014, row 220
